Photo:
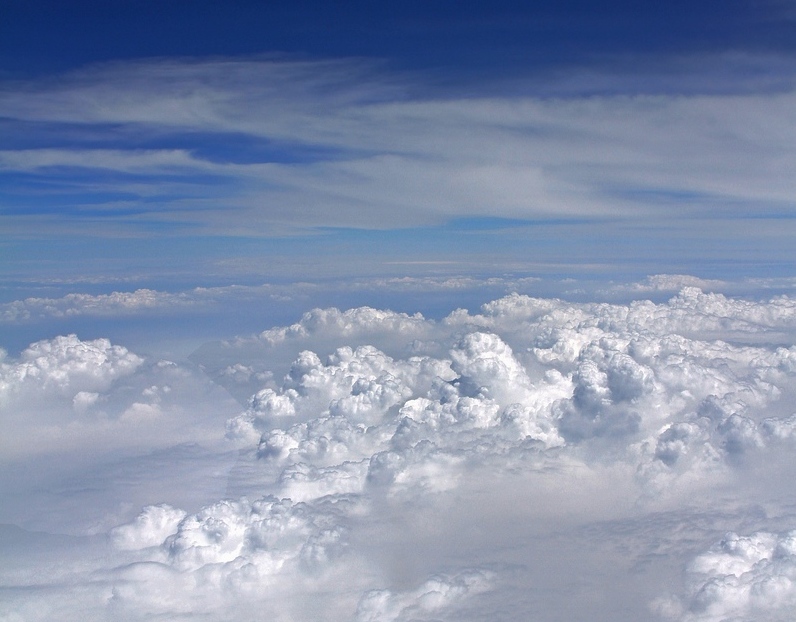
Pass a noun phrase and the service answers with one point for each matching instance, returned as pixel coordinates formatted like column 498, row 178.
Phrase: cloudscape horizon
column 397, row 312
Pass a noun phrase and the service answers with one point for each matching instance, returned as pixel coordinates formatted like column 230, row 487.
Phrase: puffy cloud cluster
column 354, row 321
column 248, row 552
column 642, row 385
column 225, row 552
column 69, row 365
column 645, row 379
column 671, row 283
column 66, row 394
column 740, row 578
column 449, row 439
column 347, row 324
column 420, row 603
column 363, row 416
column 71, row 305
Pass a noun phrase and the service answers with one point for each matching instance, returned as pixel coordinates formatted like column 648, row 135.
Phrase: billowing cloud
column 749, row 577
column 113, row 304
column 66, row 364
column 403, row 468
column 421, row 602
column 637, row 376
column 671, row 283
column 66, row 394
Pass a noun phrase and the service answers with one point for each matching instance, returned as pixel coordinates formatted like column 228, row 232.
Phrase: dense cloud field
column 537, row 460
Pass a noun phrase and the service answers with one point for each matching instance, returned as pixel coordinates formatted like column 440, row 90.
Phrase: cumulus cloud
column 71, row 305
column 153, row 302
column 423, row 602
column 150, row 528
column 65, row 394
column 233, row 550
column 67, row 365
column 233, row 557
column 347, row 324
column 625, row 384
column 748, row 577
column 671, row 283
column 643, row 377
column 403, row 468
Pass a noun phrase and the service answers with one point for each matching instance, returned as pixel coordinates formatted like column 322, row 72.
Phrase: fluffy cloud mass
column 68, row 364
column 69, row 395
column 649, row 381
column 740, row 578
column 391, row 467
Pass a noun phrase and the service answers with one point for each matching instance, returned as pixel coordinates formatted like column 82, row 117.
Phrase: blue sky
column 174, row 140
column 463, row 38
column 391, row 311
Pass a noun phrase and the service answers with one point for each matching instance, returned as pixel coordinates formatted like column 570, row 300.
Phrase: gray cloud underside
column 527, row 460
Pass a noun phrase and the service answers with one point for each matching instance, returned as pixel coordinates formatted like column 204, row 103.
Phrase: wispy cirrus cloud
column 346, row 144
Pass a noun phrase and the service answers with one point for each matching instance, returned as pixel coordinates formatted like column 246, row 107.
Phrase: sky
column 397, row 311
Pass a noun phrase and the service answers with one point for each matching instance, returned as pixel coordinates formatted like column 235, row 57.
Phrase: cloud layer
column 391, row 467
column 339, row 143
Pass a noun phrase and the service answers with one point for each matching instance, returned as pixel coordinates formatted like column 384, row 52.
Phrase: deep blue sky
column 196, row 141
column 468, row 37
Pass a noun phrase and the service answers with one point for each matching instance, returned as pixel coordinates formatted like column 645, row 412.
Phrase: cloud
column 150, row 528
column 151, row 302
column 248, row 550
column 69, row 395
column 426, row 600
column 72, row 305
column 346, row 324
column 415, row 161
column 66, row 364
column 739, row 578
column 636, row 377
column 402, row 468
column 671, row 283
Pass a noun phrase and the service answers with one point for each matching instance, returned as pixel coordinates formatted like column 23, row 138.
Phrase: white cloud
column 415, row 161
column 65, row 395
column 741, row 578
column 359, row 322
column 347, row 324
column 150, row 528
column 488, row 460
column 66, row 364
column 636, row 374
column 423, row 602
column 202, row 299
column 671, row 283
column 113, row 304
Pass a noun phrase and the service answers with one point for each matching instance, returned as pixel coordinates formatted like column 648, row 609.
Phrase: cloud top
column 427, row 477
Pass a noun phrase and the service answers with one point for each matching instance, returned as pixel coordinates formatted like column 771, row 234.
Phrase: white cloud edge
column 144, row 300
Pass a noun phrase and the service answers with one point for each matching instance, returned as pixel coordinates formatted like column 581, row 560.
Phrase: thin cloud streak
column 395, row 161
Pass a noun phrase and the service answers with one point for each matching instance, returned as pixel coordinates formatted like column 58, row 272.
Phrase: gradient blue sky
column 497, row 300
column 184, row 144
